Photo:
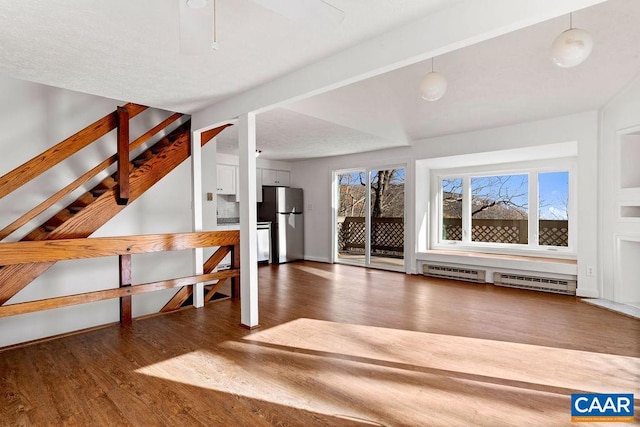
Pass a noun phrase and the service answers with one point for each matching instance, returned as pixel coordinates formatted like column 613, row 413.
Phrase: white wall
column 314, row 176
column 620, row 237
column 37, row 118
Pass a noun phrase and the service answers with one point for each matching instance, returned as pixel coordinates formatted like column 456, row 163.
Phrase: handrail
column 94, row 247
column 65, row 301
column 46, row 204
column 61, row 151
column 123, row 246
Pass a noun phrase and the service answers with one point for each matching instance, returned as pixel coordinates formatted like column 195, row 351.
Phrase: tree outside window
column 499, row 208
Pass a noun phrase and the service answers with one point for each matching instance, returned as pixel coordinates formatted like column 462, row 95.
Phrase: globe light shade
column 433, row 86
column 571, row 48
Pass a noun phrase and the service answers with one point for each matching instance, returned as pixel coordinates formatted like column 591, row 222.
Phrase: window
column 500, row 209
column 510, row 210
column 451, row 209
column 553, row 209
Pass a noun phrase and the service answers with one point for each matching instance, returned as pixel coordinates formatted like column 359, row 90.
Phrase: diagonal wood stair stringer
column 95, row 208
column 183, row 295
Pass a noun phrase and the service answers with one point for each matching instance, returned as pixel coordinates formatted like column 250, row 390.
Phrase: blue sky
column 553, row 188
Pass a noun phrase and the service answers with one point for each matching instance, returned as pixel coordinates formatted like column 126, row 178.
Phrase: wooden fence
column 551, row 232
column 387, row 234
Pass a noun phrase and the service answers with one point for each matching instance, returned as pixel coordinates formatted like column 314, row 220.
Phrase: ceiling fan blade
column 196, row 27
column 316, row 13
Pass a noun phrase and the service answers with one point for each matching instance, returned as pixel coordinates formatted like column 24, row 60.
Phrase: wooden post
column 125, row 281
column 123, row 155
column 523, row 229
column 235, row 263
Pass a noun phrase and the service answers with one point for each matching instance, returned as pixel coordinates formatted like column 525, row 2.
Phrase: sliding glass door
column 351, row 212
column 386, row 217
column 370, row 217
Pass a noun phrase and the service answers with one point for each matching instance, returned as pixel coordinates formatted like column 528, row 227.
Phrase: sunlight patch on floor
column 556, row 367
column 379, row 260
column 332, row 275
column 268, row 377
column 317, row 272
column 400, row 377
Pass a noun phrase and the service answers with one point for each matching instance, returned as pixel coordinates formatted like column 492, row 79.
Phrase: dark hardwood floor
column 338, row 345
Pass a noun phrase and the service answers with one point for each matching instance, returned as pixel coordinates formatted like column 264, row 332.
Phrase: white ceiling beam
column 465, row 23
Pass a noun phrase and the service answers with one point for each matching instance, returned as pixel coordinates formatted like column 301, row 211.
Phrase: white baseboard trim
column 587, row 293
column 629, row 310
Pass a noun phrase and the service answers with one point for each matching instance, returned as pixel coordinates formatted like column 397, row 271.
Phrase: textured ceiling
column 508, row 79
column 504, row 80
column 129, row 50
column 286, row 135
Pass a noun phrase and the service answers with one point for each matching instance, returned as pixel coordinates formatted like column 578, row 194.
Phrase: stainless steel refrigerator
column 283, row 207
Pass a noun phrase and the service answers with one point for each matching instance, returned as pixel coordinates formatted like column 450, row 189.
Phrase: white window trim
column 532, row 168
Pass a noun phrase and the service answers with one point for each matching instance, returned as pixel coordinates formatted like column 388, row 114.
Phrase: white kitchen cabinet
column 275, row 177
column 225, row 179
column 258, row 185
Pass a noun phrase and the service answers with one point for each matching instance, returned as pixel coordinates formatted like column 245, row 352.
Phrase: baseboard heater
column 545, row 284
column 456, row 273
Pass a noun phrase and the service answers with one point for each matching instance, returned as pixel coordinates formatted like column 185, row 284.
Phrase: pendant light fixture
column 202, row 4
column 214, row 42
column 571, row 47
column 433, row 85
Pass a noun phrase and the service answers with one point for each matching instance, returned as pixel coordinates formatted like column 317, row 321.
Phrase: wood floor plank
column 132, row 394
column 327, row 355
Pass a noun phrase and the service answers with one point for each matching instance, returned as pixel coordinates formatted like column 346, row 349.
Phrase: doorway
column 369, row 222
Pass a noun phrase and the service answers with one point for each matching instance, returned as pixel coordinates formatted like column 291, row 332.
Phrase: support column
column 126, row 317
column 248, row 220
column 196, row 197
column 123, row 155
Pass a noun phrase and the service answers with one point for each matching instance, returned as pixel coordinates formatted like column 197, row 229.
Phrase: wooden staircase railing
column 181, row 297
column 65, row 149
column 46, row 204
column 94, row 208
column 51, row 251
